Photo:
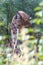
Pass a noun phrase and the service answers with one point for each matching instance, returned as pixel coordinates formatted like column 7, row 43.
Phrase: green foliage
column 41, row 57
column 8, row 8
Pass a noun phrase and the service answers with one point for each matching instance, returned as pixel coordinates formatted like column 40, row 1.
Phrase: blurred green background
column 8, row 8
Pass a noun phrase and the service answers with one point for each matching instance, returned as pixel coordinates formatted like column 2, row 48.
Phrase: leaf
column 38, row 21
column 37, row 8
column 30, row 30
column 1, row 23
column 6, row 36
column 41, row 3
column 41, row 57
column 38, row 14
column 31, row 37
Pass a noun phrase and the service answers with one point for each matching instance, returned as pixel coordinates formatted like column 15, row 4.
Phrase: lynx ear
column 17, row 16
column 24, row 15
